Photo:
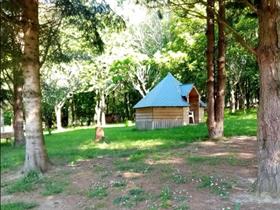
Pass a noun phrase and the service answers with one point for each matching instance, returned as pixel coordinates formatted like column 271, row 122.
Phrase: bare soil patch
column 202, row 176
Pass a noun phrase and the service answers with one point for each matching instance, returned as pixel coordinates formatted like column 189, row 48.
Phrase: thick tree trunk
column 268, row 55
column 18, row 120
column 211, row 124
column 36, row 155
column 215, row 92
column 221, row 81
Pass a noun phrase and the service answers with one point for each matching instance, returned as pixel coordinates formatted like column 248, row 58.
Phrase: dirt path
column 202, row 176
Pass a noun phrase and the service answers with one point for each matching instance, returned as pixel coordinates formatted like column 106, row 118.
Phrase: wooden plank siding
column 171, row 113
column 186, row 119
column 166, row 123
column 161, row 117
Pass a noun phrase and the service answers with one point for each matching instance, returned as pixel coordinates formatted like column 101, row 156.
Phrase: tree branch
column 236, row 35
column 250, row 5
column 11, row 19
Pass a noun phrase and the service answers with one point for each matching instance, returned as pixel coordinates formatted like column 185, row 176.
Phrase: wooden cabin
column 169, row 104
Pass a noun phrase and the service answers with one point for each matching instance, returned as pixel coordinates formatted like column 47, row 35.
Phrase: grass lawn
column 147, row 170
column 74, row 145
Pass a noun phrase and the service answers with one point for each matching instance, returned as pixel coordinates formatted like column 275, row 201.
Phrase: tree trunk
column 232, row 99
column 18, row 120
column 127, row 107
column 70, row 113
column 268, row 56
column 210, row 69
column 221, row 80
column 247, row 94
column 103, row 108
column 215, row 91
column 57, row 110
column 36, row 156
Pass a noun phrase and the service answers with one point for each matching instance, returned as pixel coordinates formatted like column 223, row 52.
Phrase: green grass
column 98, row 191
column 216, row 185
column 138, row 167
column 131, row 199
column 25, row 184
column 179, row 178
column 119, row 183
column 18, row 206
column 52, row 187
column 210, row 160
column 71, row 146
column 165, row 197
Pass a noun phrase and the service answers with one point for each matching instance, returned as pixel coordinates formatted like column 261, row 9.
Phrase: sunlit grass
column 73, row 145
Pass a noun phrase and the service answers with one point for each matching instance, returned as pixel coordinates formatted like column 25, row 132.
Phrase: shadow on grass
column 78, row 144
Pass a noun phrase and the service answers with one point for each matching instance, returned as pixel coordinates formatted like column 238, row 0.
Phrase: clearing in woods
column 163, row 169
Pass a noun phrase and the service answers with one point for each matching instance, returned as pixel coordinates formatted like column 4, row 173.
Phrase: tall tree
column 221, row 77
column 11, row 49
column 216, row 79
column 18, row 120
column 268, row 57
column 36, row 156
column 210, row 33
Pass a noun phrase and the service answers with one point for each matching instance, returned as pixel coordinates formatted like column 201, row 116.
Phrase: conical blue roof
column 167, row 92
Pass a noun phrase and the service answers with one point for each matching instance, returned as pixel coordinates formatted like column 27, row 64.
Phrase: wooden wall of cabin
column 167, row 117
column 186, row 119
column 144, row 118
column 194, row 104
column 161, row 117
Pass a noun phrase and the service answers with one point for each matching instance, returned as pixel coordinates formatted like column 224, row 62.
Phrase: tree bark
column 57, row 110
column 36, row 156
column 215, row 89
column 103, row 109
column 221, row 80
column 232, row 99
column 268, row 56
column 210, row 68
column 18, row 120
column 97, row 113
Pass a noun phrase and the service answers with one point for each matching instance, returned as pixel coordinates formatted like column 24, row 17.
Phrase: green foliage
column 8, row 115
column 52, row 187
column 133, row 197
column 97, row 191
column 84, row 104
column 216, row 185
column 138, row 167
column 178, row 178
column 165, row 197
column 209, row 160
column 182, row 207
column 90, row 19
column 237, row 206
column 119, row 183
column 25, row 184
column 137, row 156
column 18, row 206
